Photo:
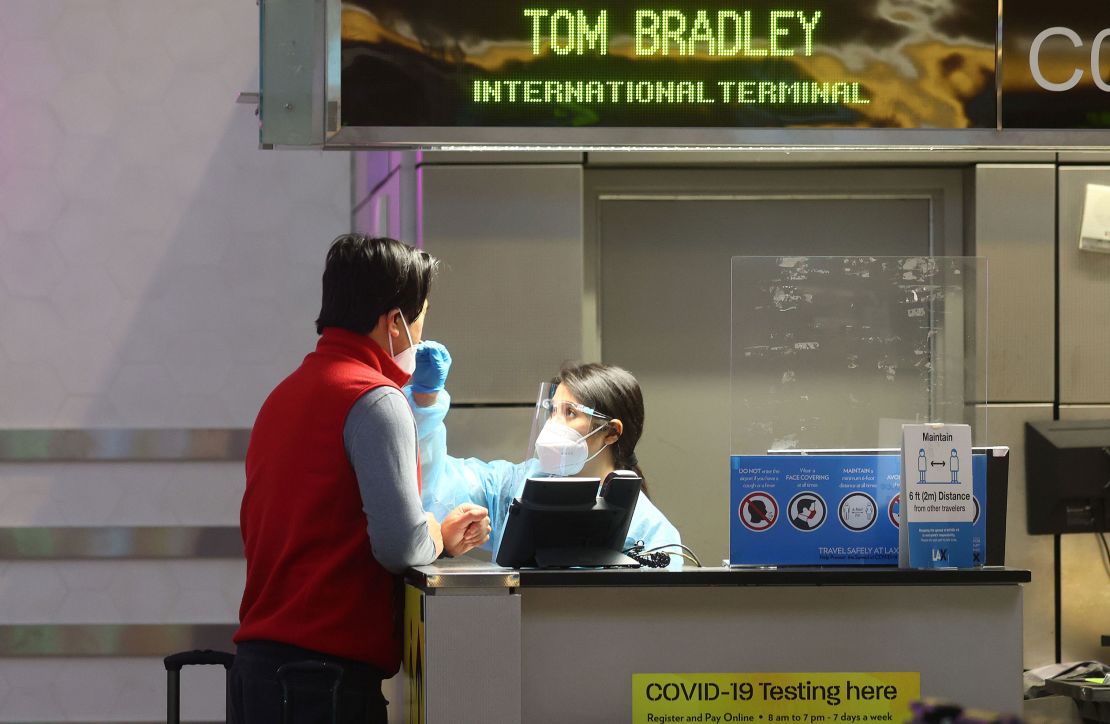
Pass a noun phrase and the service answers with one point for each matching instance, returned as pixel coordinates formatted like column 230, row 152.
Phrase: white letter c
column 1034, row 59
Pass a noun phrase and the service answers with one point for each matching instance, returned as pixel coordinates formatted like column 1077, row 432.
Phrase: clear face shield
column 560, row 427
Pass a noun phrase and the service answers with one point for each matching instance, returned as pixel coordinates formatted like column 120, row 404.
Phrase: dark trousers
column 256, row 693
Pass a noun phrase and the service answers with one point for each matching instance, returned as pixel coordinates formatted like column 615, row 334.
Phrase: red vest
column 312, row 580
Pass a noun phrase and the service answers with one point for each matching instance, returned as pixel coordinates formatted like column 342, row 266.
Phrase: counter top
column 468, row 573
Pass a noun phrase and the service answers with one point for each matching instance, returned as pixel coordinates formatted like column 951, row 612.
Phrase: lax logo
column 940, row 555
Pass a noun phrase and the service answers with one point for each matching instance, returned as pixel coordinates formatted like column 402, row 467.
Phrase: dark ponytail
column 614, row 392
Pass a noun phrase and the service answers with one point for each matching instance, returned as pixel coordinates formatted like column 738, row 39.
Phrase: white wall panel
column 148, row 245
column 120, row 494
column 508, row 299
column 368, row 168
column 120, row 592
column 383, row 212
column 1014, row 220
column 490, row 433
column 372, row 172
column 95, row 689
column 1084, row 297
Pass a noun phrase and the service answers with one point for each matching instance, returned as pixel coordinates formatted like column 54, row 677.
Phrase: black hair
column 365, row 277
column 614, row 392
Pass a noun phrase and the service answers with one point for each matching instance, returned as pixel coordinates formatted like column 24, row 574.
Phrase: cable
column 647, row 558
column 1105, row 547
column 650, row 560
column 692, row 559
column 693, row 556
column 658, row 557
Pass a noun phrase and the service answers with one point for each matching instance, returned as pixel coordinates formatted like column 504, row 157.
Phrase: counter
column 495, row 645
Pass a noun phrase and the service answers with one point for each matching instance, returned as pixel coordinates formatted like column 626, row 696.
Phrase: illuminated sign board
column 846, row 64
column 730, row 73
column 1056, row 65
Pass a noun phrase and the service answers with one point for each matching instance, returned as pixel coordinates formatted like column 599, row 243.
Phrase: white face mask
column 562, row 451
column 406, row 358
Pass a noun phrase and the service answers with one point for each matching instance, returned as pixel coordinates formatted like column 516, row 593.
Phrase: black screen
column 1067, row 476
column 563, row 519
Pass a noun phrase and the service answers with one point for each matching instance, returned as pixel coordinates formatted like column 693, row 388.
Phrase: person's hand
column 464, row 528
column 433, row 361
column 435, row 532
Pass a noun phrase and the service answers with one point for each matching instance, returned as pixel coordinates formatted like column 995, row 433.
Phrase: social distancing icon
column 857, row 512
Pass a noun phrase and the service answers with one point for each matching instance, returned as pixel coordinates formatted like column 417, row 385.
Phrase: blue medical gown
column 447, row 482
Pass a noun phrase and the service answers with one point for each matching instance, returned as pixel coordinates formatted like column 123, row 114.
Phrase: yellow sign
column 413, row 657
column 772, row 698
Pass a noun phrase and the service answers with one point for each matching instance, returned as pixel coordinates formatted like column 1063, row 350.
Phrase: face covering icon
column 562, row 451
column 406, row 358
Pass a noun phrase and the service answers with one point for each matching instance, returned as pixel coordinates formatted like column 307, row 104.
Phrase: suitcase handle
column 174, row 663
column 207, row 657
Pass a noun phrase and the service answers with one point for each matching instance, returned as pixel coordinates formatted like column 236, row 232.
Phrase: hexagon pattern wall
column 156, row 270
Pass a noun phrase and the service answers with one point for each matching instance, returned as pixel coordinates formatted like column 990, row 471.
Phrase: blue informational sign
column 826, row 510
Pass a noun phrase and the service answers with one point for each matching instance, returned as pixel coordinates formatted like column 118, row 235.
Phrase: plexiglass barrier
column 839, row 352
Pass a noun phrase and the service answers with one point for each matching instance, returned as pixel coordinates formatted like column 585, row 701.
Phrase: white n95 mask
column 406, row 358
column 562, row 451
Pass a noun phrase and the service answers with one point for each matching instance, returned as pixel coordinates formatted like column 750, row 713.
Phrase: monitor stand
column 582, row 558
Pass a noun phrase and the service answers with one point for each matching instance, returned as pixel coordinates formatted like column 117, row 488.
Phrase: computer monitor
column 1067, row 476
column 998, row 473
column 565, row 523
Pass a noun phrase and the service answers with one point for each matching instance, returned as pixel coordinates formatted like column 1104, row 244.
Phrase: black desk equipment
column 1067, row 487
column 1067, row 476
column 568, row 522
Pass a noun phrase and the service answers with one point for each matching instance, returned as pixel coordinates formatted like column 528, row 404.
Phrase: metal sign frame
column 301, row 107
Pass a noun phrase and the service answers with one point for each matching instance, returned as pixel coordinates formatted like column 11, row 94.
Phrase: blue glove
column 432, row 363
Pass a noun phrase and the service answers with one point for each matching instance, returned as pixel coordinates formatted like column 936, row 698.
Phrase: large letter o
column 1096, row 60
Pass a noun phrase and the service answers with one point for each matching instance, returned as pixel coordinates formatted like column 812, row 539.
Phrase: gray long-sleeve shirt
column 380, row 438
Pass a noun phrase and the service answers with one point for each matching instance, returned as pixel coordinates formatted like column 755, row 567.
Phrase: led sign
column 713, row 64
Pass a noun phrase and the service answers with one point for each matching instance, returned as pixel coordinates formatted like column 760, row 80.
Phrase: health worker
column 587, row 423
